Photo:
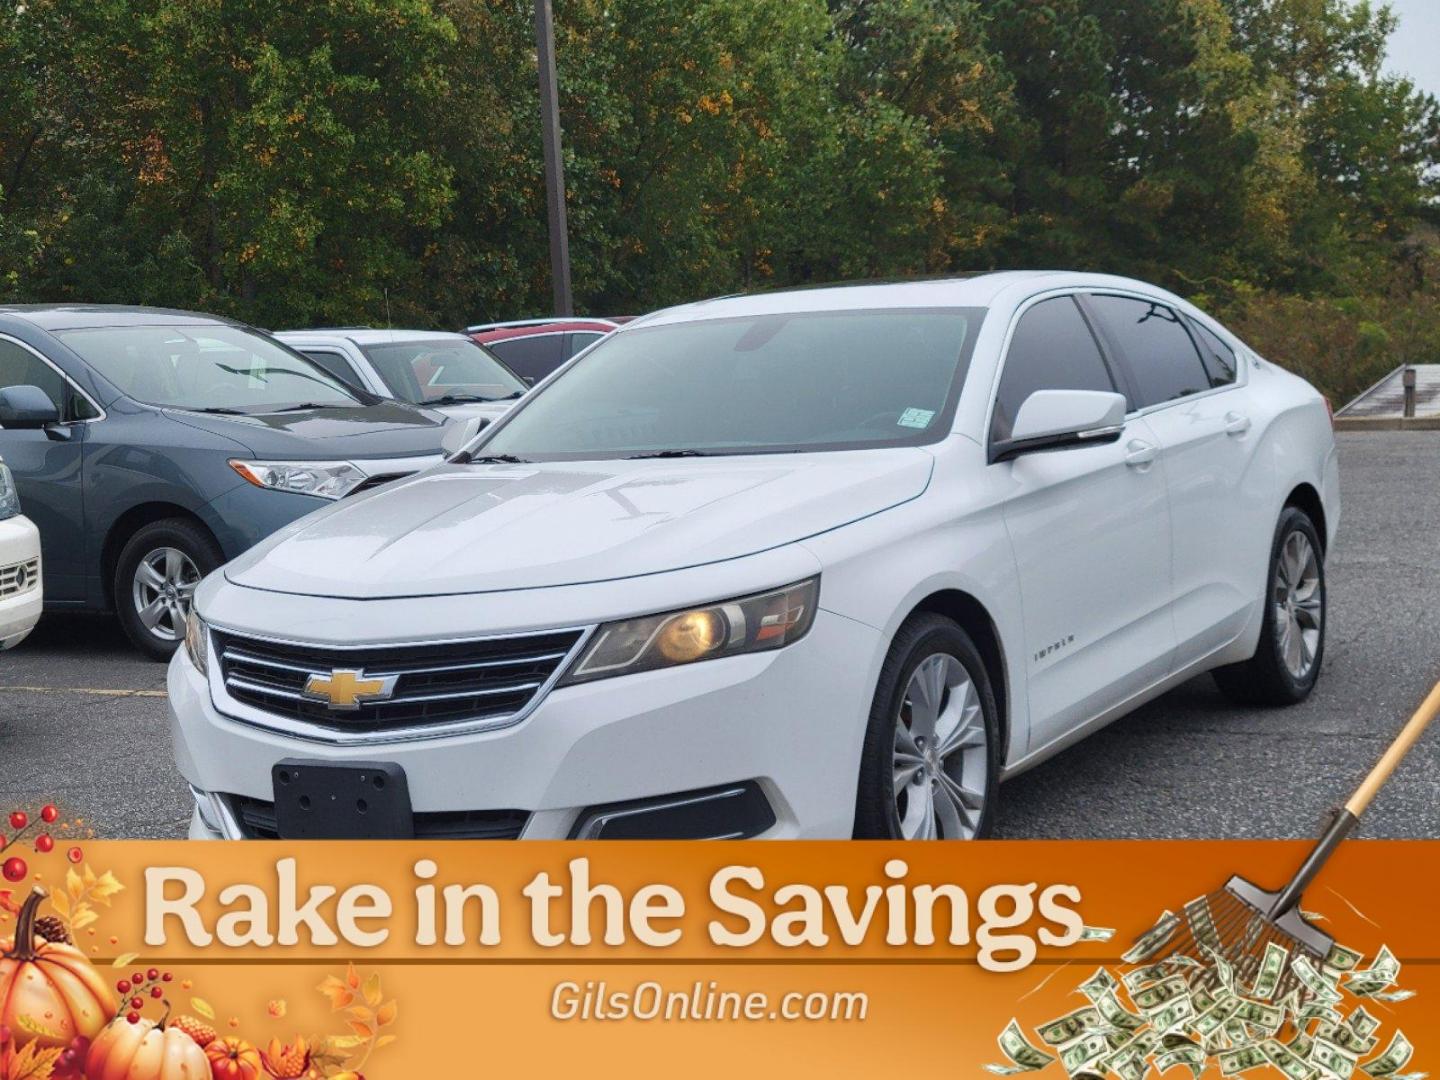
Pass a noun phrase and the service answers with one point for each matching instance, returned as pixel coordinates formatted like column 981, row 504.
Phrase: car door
column 1186, row 381
column 48, row 468
column 1090, row 531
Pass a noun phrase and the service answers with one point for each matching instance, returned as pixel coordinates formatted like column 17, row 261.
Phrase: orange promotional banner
column 407, row 959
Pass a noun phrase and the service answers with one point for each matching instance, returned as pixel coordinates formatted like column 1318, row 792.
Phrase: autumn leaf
column 33, row 1063
column 365, row 1031
column 383, row 1041
column 339, row 994
column 124, row 959
column 105, row 888
column 73, row 884
column 361, row 1013
column 372, row 989
column 352, row 977
column 28, row 1023
column 203, row 1007
column 386, row 1013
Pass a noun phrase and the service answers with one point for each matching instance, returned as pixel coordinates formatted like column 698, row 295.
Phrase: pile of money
column 1199, row 1012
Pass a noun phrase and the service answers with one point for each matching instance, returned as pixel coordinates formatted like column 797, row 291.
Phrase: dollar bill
column 1391, row 996
column 1223, row 971
column 1361, row 1022
column 1192, row 1056
column 1097, row 933
column 1335, row 1060
column 1272, row 966
column 1346, row 1038
column 1162, row 993
column 1266, row 1017
column 1241, row 1059
column 1342, row 959
column 1302, row 1044
column 1115, row 1014
column 1084, row 1052
column 1069, row 1027
column 1154, row 939
column 1287, row 1061
column 1102, row 982
column 1213, row 1019
column 1319, row 987
column 1173, row 1015
column 1023, row 1057
column 1396, row 1056
column 1380, row 975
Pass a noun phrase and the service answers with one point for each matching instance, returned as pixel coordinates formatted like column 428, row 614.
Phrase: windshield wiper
column 304, row 405
column 669, row 454
column 221, row 410
column 493, row 459
column 455, row 399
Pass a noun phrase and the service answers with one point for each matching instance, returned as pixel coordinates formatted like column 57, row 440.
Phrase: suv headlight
column 324, row 479
column 9, row 497
column 197, row 642
column 748, row 624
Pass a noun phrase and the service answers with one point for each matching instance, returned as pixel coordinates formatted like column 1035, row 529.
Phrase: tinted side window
column 1219, row 358
column 1162, row 358
column 1052, row 349
column 531, row 357
column 21, row 367
column 335, row 364
column 580, row 341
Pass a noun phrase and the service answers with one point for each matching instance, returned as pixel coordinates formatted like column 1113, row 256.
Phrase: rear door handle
column 1140, row 454
column 1236, row 423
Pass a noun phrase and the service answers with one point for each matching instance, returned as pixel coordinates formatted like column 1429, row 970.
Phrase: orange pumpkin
column 50, row 984
column 145, row 1051
column 234, row 1059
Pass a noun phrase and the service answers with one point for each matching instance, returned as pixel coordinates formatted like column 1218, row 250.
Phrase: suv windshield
column 441, row 370
column 207, row 368
column 754, row 384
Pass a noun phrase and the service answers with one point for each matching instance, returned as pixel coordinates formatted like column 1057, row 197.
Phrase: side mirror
column 24, row 407
column 459, row 432
column 1062, row 419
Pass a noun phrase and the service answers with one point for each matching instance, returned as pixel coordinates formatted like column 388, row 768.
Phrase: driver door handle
column 1236, row 423
column 1140, row 454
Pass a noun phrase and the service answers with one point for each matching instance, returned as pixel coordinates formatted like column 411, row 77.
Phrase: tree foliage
column 364, row 160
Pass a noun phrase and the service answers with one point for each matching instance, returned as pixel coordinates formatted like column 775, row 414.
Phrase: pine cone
column 52, row 929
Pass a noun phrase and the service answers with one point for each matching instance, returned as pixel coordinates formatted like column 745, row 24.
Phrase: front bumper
column 20, row 611
column 790, row 721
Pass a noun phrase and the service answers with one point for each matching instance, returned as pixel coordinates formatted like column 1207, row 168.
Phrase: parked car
column 812, row 563
column 21, row 594
column 150, row 446
column 533, row 348
column 447, row 372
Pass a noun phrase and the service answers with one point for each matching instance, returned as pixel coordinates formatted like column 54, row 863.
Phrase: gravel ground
column 82, row 718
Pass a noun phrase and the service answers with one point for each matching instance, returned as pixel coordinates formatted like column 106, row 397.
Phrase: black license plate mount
column 352, row 800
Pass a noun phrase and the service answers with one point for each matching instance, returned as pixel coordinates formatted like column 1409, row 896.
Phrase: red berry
column 15, row 869
column 133, row 1017
column 123, row 986
column 166, row 977
column 48, row 813
column 157, row 992
column 19, row 819
column 152, row 974
column 137, row 1003
column 138, row 978
column 75, row 854
column 4, row 1034
column 44, row 843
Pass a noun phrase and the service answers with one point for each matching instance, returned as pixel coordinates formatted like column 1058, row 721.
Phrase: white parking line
column 92, row 691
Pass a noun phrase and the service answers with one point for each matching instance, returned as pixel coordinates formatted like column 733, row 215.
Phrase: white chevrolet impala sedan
column 823, row 563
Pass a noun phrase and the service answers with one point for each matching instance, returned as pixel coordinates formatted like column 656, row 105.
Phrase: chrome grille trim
column 9, row 575
column 278, row 707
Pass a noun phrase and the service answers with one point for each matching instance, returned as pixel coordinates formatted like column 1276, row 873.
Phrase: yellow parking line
column 92, row 691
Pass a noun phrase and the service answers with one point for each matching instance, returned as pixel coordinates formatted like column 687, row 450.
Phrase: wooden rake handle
column 1346, row 820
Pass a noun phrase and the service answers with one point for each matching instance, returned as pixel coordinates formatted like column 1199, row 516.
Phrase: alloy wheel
column 1299, row 604
column 163, row 587
column 941, row 755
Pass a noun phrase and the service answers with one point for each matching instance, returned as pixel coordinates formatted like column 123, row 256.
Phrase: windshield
column 443, row 370
column 207, row 368
column 757, row 384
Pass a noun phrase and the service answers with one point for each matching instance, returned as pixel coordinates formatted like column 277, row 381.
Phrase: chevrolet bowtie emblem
column 346, row 689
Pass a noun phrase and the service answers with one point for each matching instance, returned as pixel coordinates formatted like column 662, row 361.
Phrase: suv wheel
column 1292, row 638
column 930, row 766
column 155, row 581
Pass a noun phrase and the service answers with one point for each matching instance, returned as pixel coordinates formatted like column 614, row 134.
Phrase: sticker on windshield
column 916, row 418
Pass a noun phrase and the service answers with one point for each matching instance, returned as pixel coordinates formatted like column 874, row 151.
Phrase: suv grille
column 256, row 819
column 19, row 577
column 485, row 680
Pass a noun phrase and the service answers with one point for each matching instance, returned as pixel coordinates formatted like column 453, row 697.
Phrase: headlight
column 197, row 642
column 325, row 479
column 9, row 497
column 748, row 624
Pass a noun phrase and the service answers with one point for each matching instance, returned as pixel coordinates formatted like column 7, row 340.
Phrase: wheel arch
column 127, row 525
column 973, row 617
column 1305, row 497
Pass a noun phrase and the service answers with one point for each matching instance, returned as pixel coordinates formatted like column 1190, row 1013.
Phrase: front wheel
column 155, row 580
column 1287, row 659
column 930, row 766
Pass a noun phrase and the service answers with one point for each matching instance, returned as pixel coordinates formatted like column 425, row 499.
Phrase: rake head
column 1236, row 924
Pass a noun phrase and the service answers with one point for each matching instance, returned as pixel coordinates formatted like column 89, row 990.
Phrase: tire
column 1286, row 664
column 969, row 775
column 178, row 553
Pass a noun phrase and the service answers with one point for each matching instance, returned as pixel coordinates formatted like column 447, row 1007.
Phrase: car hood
column 484, row 528
column 485, row 410
column 385, row 429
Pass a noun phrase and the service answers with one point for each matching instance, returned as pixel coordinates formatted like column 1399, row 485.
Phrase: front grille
column 256, row 819
column 487, row 680
column 19, row 577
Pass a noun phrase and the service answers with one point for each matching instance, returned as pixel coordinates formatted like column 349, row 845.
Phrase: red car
column 533, row 348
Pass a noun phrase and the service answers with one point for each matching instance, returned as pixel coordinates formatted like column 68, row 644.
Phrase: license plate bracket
column 354, row 800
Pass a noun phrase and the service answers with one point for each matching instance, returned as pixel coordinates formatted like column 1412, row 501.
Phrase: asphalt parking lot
column 82, row 718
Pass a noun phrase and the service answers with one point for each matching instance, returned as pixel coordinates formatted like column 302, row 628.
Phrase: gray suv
column 151, row 446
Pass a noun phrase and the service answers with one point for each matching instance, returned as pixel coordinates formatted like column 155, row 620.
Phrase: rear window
column 441, row 371
column 1155, row 346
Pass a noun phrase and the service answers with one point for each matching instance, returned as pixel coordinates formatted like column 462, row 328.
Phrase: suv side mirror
column 1062, row 419
column 24, row 407
column 460, row 432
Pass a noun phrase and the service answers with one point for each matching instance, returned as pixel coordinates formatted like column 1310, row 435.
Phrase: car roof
column 571, row 326
column 548, row 323
column 88, row 316
column 366, row 335
column 976, row 290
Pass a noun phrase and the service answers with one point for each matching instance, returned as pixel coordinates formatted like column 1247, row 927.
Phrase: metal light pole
column 554, row 166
